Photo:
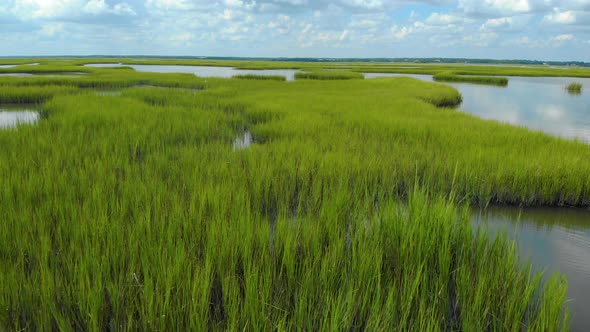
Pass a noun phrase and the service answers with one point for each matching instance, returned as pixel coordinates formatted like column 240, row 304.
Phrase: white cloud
column 344, row 35
column 515, row 6
column 293, row 2
column 443, row 19
column 123, row 9
column 481, row 39
column 227, row 14
column 496, row 7
column 96, row 7
column 401, row 33
column 496, row 23
column 566, row 17
column 28, row 9
column 364, row 4
column 563, row 37
column 170, row 4
column 51, row 29
column 56, row 9
column 240, row 4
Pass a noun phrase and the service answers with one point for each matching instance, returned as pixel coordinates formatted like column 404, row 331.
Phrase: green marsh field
column 128, row 206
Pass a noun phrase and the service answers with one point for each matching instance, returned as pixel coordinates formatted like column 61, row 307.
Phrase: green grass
column 134, row 212
column 328, row 75
column 574, row 88
column 32, row 94
column 260, row 77
column 488, row 80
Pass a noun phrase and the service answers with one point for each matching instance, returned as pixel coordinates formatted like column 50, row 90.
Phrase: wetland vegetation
column 450, row 77
column 329, row 74
column 574, row 88
column 347, row 209
column 260, row 77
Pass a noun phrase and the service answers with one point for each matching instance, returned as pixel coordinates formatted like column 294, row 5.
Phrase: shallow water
column 59, row 74
column 24, row 64
column 104, row 65
column 243, row 141
column 11, row 117
column 539, row 103
column 16, row 74
column 205, row 71
column 109, row 93
column 554, row 240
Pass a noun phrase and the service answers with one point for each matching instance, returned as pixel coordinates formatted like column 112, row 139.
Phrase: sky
column 557, row 30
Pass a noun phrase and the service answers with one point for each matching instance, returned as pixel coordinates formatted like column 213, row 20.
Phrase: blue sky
column 498, row 29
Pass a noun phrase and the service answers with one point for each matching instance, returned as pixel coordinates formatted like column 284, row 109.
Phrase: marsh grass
column 32, row 94
column 260, row 77
column 328, row 75
column 574, row 88
column 134, row 212
column 487, row 80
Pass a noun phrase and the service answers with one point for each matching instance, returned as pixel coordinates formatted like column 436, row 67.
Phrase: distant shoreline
column 392, row 60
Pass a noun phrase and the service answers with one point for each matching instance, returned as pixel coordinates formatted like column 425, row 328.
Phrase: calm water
column 63, row 74
column 243, row 141
column 103, row 65
column 26, row 64
column 205, row 71
column 11, row 117
column 17, row 74
column 557, row 240
column 539, row 103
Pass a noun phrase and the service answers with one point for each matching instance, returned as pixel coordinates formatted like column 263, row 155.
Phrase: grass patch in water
column 328, row 75
column 574, row 88
column 260, row 77
column 487, row 80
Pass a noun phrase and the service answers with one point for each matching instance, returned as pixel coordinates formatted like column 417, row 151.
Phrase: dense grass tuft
column 261, row 77
column 574, row 88
column 328, row 75
column 488, row 80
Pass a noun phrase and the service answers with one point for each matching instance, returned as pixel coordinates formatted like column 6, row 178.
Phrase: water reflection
column 243, row 141
column 10, row 118
column 104, row 65
column 16, row 74
column 109, row 93
column 427, row 78
column 540, row 103
column 205, row 71
column 557, row 240
column 26, row 64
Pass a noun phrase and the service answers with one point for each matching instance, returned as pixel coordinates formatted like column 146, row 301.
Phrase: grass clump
column 32, row 94
column 487, row 80
column 260, row 77
column 574, row 88
column 328, row 75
